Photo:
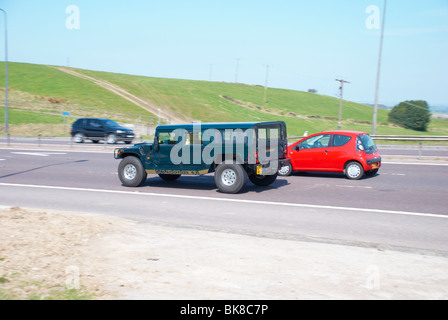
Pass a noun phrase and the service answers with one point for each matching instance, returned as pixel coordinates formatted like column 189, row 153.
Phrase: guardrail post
column 419, row 150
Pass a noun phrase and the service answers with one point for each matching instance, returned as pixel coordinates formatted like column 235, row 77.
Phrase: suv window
column 94, row 123
column 339, row 140
column 79, row 122
column 110, row 123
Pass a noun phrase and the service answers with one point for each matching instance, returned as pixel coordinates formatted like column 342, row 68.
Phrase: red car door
column 338, row 152
column 311, row 153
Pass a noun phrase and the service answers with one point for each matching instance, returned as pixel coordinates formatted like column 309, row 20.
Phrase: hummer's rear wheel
column 131, row 172
column 230, row 178
column 262, row 181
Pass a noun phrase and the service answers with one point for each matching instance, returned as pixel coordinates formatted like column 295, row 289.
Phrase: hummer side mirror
column 156, row 143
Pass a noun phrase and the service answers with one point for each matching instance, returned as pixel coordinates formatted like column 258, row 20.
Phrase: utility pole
column 210, row 72
column 6, row 73
column 266, row 86
column 341, row 88
column 375, row 107
column 236, row 71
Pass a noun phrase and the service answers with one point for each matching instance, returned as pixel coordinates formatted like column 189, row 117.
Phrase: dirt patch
column 112, row 258
column 142, row 103
column 41, row 252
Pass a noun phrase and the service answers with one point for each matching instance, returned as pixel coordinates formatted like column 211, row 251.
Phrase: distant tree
column 312, row 90
column 412, row 114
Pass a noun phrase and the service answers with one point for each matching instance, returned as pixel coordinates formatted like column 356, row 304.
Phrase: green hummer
column 235, row 152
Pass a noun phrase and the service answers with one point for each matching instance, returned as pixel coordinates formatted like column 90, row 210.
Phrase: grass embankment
column 193, row 100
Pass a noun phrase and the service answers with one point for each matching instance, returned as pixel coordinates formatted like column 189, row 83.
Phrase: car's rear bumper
column 374, row 160
column 373, row 164
column 271, row 168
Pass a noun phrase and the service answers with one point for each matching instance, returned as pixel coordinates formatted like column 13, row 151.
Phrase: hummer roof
column 218, row 125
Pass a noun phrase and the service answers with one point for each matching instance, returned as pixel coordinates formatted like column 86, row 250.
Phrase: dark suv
column 100, row 129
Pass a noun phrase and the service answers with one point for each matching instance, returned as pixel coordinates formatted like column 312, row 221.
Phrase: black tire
column 285, row 170
column 230, row 178
column 95, row 141
column 169, row 177
column 111, row 138
column 354, row 170
column 131, row 172
column 262, row 181
column 79, row 137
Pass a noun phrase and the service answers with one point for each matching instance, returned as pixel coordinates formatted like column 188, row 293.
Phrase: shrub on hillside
column 413, row 114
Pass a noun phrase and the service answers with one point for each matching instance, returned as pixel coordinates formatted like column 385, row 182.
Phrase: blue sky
column 306, row 44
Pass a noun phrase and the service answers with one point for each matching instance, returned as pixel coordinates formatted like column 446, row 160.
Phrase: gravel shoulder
column 112, row 258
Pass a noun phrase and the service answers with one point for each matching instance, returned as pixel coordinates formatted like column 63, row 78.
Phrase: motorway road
column 404, row 207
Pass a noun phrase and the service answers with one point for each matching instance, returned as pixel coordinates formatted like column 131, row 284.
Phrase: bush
column 413, row 114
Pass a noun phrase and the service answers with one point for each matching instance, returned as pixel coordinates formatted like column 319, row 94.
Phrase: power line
column 237, row 69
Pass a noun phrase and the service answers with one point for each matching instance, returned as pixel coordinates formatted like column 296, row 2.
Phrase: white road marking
column 347, row 186
column 285, row 204
column 342, row 185
column 416, row 163
column 39, row 154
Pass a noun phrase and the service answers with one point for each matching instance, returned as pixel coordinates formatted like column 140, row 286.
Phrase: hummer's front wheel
column 131, row 172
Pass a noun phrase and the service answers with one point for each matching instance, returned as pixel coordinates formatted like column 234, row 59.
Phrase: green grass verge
column 196, row 100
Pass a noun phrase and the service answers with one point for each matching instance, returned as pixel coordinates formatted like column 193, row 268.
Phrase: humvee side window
column 269, row 133
column 230, row 136
column 172, row 138
column 193, row 138
column 167, row 138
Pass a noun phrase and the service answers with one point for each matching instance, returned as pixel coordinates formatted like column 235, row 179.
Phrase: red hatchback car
column 351, row 152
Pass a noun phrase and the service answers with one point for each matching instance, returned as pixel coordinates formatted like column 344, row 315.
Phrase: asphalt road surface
column 404, row 207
